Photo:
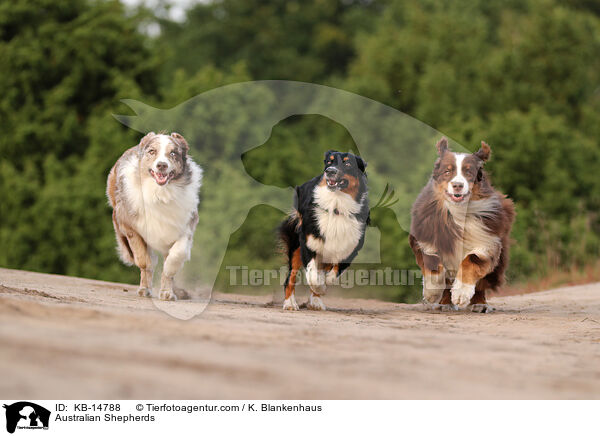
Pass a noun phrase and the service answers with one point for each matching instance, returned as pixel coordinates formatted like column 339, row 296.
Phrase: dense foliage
column 523, row 75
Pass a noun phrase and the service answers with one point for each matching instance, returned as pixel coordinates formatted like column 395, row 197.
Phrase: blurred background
column 522, row 75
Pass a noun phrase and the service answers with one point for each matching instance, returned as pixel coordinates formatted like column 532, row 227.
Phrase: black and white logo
column 26, row 415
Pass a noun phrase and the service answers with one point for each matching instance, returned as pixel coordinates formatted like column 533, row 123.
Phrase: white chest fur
column 162, row 213
column 474, row 237
column 341, row 230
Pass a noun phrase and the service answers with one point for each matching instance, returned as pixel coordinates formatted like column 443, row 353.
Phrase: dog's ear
column 442, row 146
column 362, row 165
column 480, row 174
column 327, row 153
column 484, row 152
column 181, row 141
column 144, row 141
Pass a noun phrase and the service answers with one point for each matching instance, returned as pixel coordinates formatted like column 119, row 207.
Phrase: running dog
column 326, row 228
column 460, row 231
column 153, row 190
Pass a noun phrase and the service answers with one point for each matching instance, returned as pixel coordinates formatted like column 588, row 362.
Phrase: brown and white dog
column 153, row 190
column 460, row 231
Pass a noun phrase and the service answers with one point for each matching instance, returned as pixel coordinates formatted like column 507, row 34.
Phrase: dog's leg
column 178, row 253
column 315, row 277
column 315, row 302
column 337, row 269
column 478, row 303
column 434, row 280
column 472, row 268
column 123, row 247
column 151, row 266
column 331, row 278
column 445, row 304
column 142, row 259
column 290, row 283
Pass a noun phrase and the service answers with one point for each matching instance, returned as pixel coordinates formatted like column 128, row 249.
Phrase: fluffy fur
column 326, row 229
column 153, row 190
column 460, row 231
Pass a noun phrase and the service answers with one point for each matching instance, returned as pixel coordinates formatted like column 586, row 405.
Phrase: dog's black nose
column 162, row 166
column 457, row 186
column 331, row 171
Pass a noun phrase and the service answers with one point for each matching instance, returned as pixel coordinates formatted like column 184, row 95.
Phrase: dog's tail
column 290, row 244
column 123, row 249
column 288, row 233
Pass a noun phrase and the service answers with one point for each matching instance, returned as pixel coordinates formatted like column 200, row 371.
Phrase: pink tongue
column 160, row 177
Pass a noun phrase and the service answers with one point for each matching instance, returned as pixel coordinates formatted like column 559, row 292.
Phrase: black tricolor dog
column 326, row 229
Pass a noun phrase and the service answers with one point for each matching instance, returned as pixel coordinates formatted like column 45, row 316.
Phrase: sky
column 177, row 7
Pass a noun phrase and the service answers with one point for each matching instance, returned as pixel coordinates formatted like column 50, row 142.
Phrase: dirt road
column 73, row 338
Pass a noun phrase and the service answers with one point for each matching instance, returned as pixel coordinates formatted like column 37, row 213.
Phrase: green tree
column 522, row 75
column 65, row 65
column 280, row 39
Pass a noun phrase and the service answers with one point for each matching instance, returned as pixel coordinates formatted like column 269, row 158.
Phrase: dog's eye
column 173, row 154
column 447, row 171
column 152, row 151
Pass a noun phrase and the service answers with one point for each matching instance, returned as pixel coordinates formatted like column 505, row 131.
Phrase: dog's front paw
column 437, row 307
column 182, row 294
column 481, row 308
column 462, row 293
column 432, row 296
column 433, row 288
column 144, row 292
column 315, row 303
column 167, row 295
column 290, row 303
column 315, row 278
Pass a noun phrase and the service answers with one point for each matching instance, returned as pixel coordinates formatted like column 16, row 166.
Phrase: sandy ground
column 63, row 337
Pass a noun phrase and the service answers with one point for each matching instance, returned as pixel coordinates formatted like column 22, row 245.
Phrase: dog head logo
column 226, row 126
column 26, row 415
